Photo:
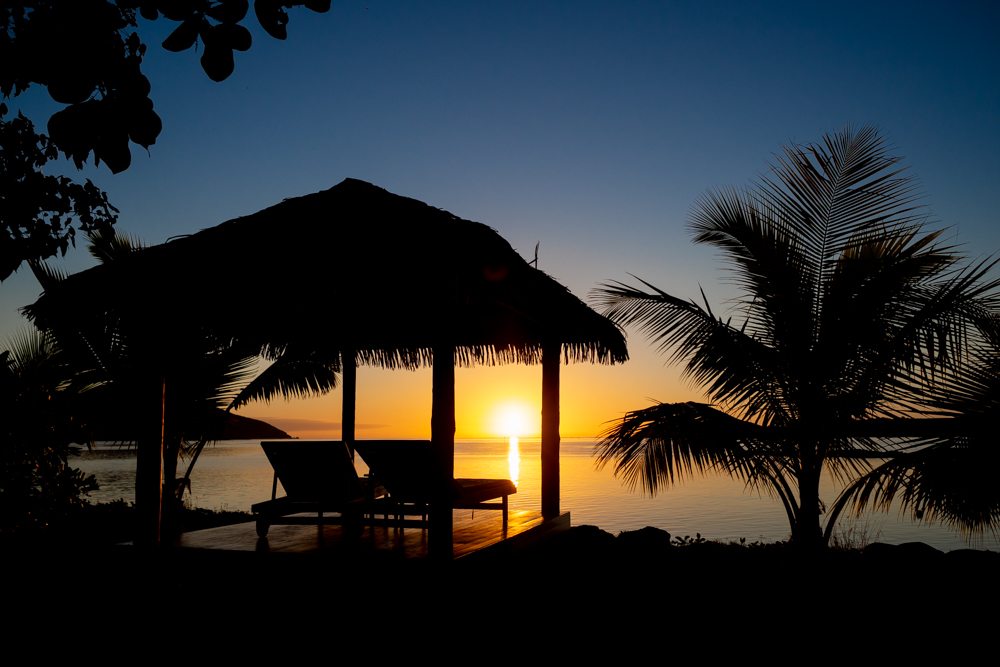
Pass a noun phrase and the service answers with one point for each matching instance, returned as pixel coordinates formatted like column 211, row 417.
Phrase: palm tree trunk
column 171, row 503
column 808, row 533
column 148, row 489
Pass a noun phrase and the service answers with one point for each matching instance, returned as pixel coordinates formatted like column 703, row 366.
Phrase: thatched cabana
column 355, row 272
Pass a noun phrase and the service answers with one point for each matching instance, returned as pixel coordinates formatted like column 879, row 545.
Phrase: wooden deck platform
column 479, row 534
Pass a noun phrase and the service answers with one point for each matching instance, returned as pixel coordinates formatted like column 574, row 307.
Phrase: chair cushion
column 408, row 470
column 314, row 471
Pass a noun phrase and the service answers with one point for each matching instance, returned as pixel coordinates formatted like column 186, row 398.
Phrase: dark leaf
column 235, row 36
column 144, row 127
column 230, row 11
column 320, row 6
column 217, row 61
column 74, row 130
column 184, row 36
column 272, row 17
column 139, row 86
column 112, row 147
column 71, row 88
column 179, row 10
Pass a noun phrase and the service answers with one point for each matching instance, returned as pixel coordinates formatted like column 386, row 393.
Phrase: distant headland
column 235, row 428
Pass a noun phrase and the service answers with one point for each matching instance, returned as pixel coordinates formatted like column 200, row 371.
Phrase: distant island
column 245, row 428
column 236, row 428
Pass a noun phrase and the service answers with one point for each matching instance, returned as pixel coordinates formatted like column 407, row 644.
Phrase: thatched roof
column 351, row 267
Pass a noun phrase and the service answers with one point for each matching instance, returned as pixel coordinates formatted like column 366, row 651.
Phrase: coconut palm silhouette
column 851, row 319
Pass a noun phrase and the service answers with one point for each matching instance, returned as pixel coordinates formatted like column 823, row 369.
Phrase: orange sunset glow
column 490, row 401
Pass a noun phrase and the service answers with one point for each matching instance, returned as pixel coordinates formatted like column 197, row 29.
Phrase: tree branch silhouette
column 88, row 55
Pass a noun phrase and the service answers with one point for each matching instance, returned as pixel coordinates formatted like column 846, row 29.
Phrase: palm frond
column 27, row 348
column 766, row 261
column 832, row 190
column 47, row 276
column 736, row 368
column 290, row 376
column 667, row 442
column 952, row 481
column 115, row 245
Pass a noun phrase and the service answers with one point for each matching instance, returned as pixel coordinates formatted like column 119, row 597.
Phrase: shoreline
column 236, row 474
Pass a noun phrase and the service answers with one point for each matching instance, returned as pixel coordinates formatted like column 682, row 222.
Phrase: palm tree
column 851, row 312
column 208, row 376
column 40, row 420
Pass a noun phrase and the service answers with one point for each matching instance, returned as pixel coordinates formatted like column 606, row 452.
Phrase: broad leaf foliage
column 88, row 55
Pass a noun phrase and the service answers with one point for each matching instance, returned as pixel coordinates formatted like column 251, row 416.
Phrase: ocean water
column 234, row 474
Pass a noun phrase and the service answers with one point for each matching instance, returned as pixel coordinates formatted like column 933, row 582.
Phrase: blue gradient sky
column 586, row 127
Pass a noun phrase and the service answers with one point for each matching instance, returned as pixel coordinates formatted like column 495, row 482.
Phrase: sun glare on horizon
column 511, row 420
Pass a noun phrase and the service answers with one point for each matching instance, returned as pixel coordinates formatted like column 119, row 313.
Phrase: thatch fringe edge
column 469, row 356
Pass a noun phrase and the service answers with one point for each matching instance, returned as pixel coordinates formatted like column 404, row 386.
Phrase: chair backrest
column 312, row 470
column 406, row 468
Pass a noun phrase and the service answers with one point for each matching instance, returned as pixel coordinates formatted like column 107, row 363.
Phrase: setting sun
column 512, row 419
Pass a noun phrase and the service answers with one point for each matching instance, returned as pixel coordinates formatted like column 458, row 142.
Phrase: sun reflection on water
column 514, row 460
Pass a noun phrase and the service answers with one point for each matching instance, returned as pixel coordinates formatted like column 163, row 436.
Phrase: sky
column 588, row 128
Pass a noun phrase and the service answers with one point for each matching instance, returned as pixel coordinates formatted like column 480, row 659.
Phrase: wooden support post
column 149, row 466
column 550, row 429
column 443, row 439
column 349, row 379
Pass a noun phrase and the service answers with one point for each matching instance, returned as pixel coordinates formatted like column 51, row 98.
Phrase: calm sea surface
column 235, row 474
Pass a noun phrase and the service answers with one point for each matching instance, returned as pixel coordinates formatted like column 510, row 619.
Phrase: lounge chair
column 406, row 469
column 318, row 477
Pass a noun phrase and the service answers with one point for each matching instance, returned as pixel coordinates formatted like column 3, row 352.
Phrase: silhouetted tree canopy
column 38, row 209
column 88, row 55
